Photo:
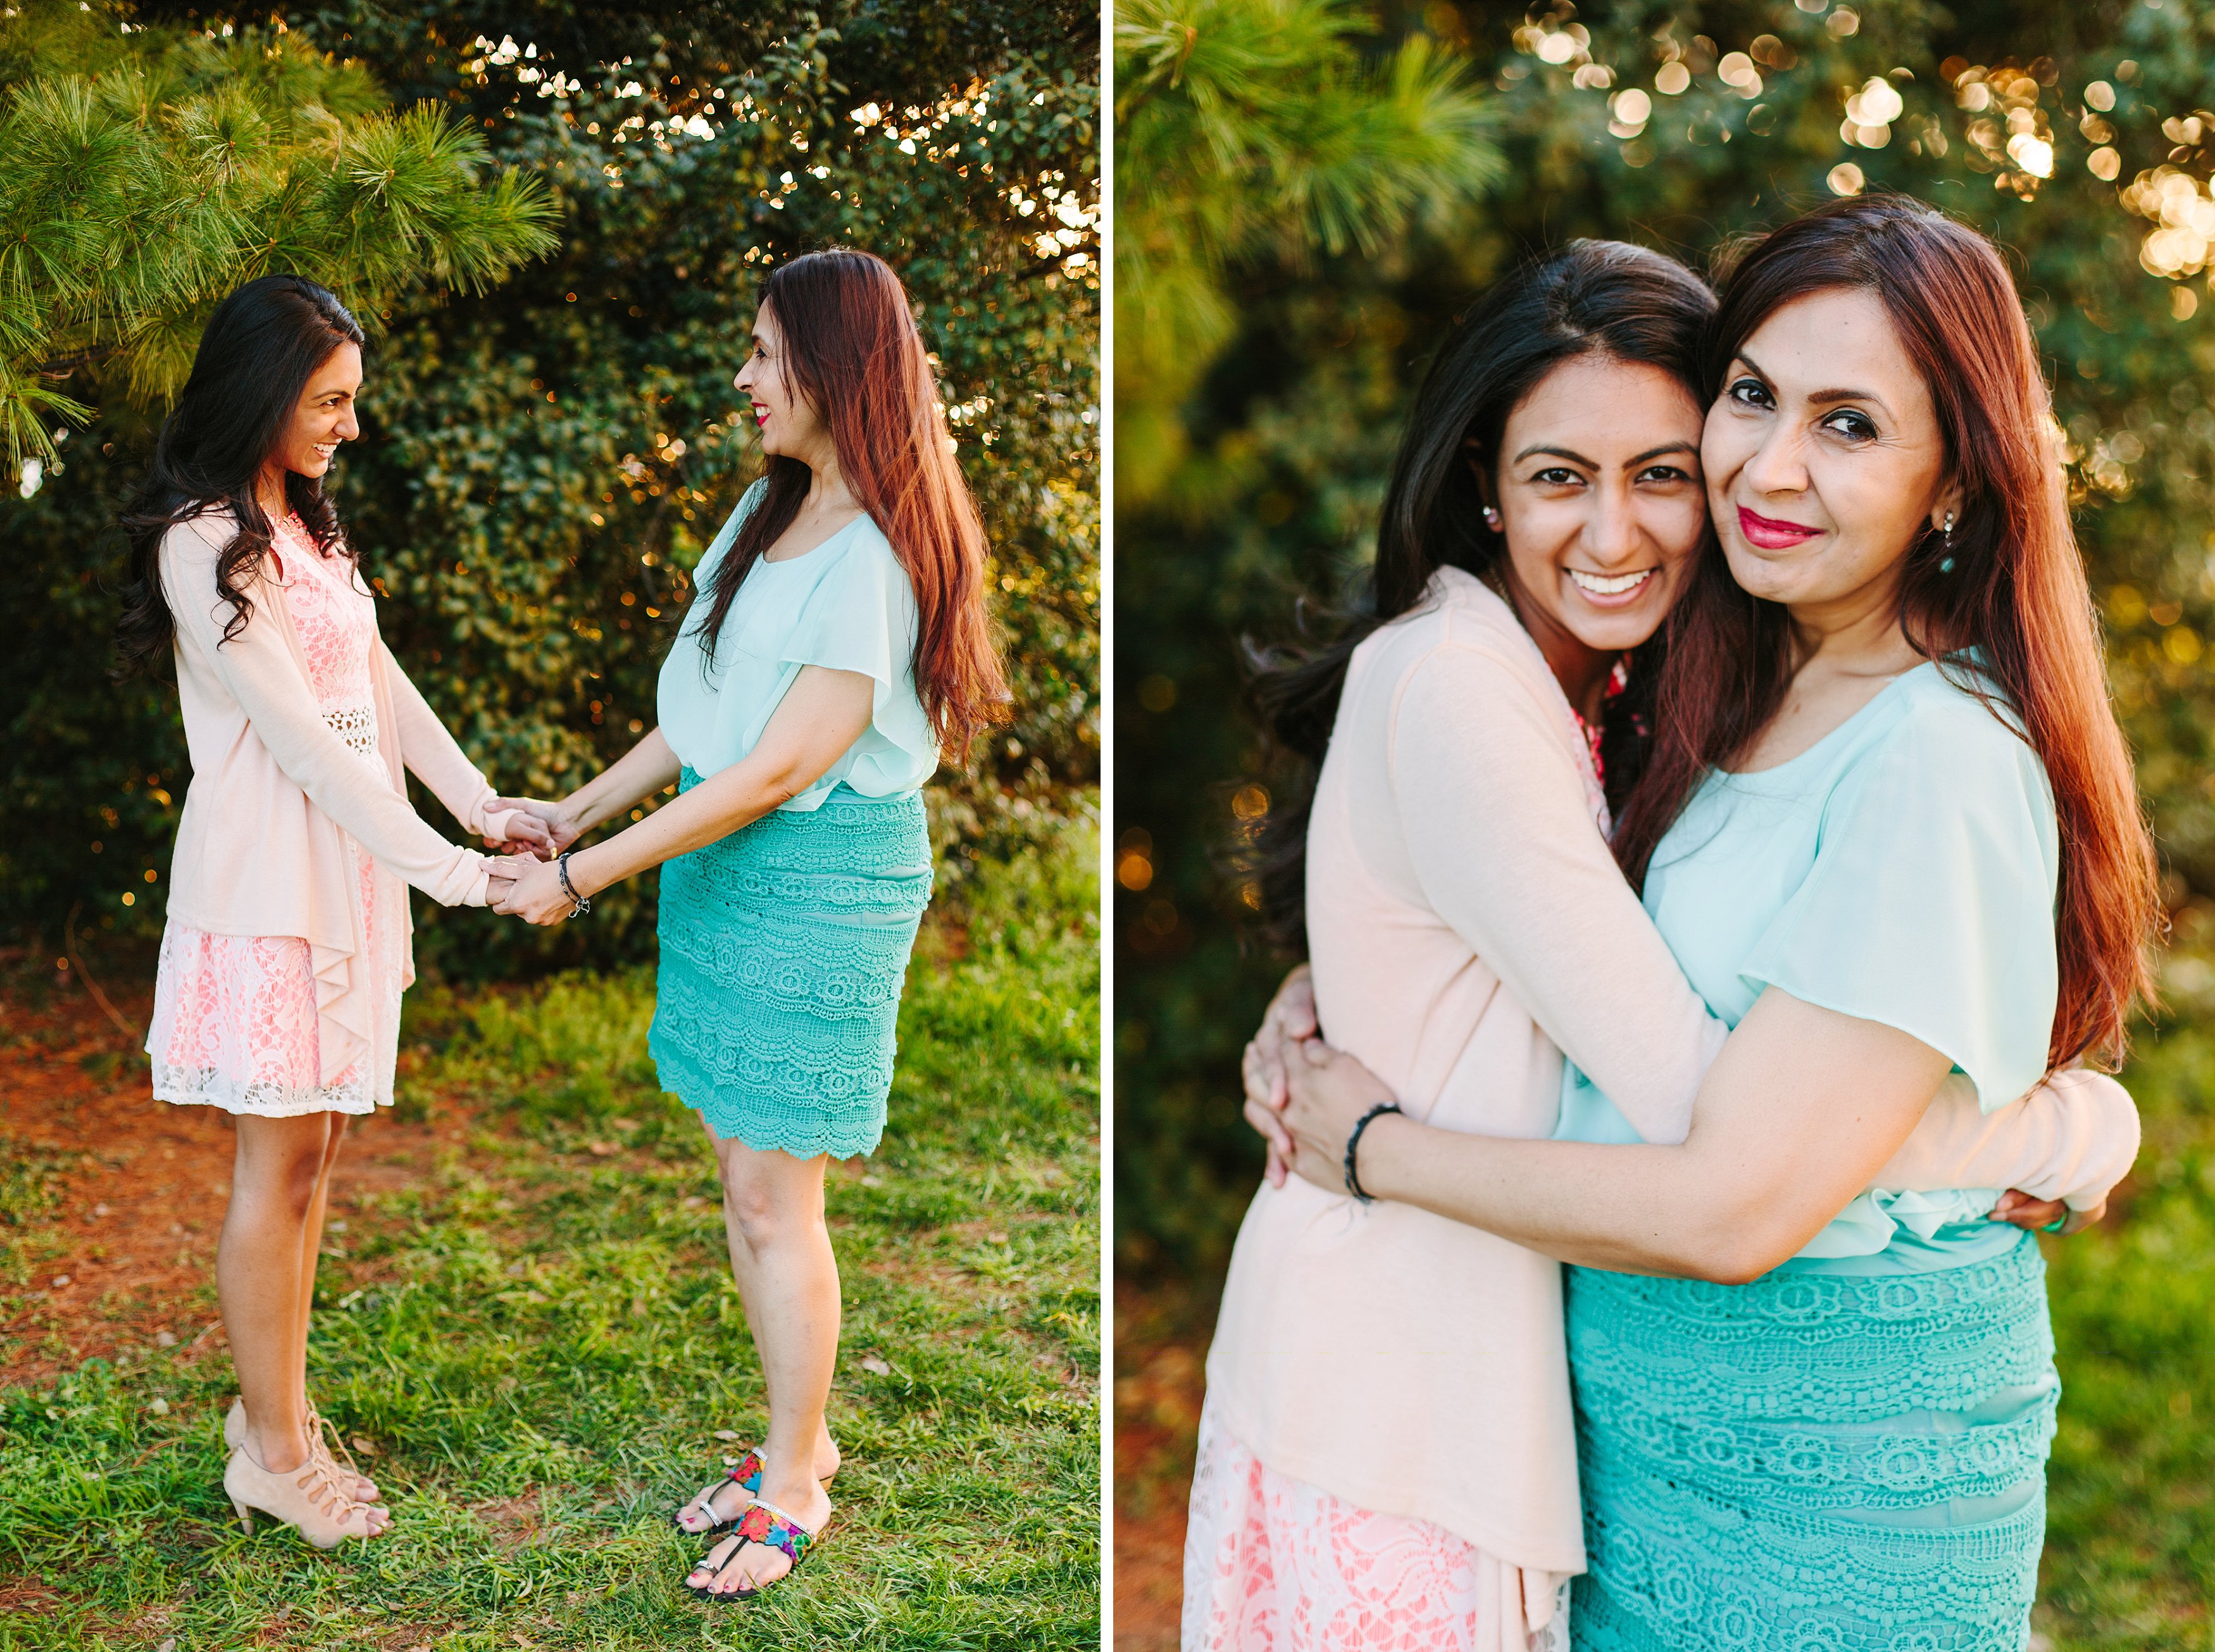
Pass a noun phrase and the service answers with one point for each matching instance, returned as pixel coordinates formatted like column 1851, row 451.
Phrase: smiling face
column 324, row 416
column 1826, row 462
column 1599, row 497
column 790, row 427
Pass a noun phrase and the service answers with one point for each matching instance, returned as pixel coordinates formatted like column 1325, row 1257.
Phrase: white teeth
column 1602, row 586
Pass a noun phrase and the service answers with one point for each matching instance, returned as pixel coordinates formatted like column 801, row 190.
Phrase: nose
column 349, row 427
column 1613, row 537
column 1779, row 464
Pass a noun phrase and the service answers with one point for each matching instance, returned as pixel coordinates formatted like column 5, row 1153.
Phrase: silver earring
column 1947, row 536
column 1492, row 518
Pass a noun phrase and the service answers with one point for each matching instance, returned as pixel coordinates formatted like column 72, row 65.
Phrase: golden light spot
column 1250, row 802
column 1134, row 871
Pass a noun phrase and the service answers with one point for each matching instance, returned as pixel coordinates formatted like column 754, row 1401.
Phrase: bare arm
column 1796, row 1115
column 821, row 716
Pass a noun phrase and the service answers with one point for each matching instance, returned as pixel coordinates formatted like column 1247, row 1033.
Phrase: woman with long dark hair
column 286, row 947
column 838, row 644
column 1387, row 1457
column 1888, row 827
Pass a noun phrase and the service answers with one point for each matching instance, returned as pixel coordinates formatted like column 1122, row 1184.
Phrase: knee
column 763, row 1214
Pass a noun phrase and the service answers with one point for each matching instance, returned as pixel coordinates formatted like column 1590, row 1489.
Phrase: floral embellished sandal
column 748, row 1474
column 765, row 1526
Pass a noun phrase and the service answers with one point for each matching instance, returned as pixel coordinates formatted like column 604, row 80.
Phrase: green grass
column 542, row 1353
column 2129, row 1551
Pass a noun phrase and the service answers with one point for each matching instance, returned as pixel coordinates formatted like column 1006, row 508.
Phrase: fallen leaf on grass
column 877, row 1368
column 726, row 1434
column 165, row 1339
column 599, row 1149
column 364, row 1446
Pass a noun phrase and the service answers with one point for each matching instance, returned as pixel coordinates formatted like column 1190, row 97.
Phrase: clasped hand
column 528, row 886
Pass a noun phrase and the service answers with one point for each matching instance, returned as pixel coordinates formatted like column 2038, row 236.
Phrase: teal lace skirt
column 783, row 947
column 1813, row 1463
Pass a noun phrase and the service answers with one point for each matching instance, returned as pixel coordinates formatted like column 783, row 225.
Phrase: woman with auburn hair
column 1889, row 829
column 839, row 642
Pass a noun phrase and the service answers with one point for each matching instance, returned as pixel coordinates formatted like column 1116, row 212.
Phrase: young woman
column 839, row 642
column 1467, row 923
column 1890, row 830
column 286, row 948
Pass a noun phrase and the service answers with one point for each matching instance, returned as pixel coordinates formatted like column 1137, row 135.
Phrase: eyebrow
column 1825, row 397
column 1575, row 458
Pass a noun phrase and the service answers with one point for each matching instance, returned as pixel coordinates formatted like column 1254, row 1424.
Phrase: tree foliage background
column 2081, row 137
column 543, row 460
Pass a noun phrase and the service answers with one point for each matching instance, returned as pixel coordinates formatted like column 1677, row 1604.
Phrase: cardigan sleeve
column 1504, row 845
column 434, row 758
column 2071, row 1139
column 262, row 674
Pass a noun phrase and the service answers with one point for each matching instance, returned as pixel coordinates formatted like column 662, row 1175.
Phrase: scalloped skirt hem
column 287, row 1107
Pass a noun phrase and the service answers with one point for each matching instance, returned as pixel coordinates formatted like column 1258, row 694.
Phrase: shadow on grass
column 545, row 1358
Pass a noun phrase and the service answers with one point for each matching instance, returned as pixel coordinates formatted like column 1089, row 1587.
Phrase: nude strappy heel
column 307, row 1499
column 363, row 1489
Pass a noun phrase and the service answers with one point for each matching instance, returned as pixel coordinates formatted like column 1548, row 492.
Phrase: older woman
column 1890, row 834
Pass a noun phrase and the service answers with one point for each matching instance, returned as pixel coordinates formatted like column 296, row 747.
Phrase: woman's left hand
column 1327, row 1093
column 2019, row 1208
column 536, row 895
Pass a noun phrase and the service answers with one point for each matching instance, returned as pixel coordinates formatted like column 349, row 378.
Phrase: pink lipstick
column 1770, row 534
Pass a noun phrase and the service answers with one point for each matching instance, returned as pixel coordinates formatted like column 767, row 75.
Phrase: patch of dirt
column 126, row 1256
column 512, row 1521
column 1161, row 1342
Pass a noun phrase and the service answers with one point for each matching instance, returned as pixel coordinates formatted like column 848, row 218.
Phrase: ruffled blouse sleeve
column 862, row 616
column 1929, row 906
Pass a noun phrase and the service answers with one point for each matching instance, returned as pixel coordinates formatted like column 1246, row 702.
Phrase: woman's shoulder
column 863, row 555
column 1947, row 726
column 1461, row 624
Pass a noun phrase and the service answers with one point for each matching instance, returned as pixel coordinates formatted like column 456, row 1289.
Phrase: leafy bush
column 541, row 468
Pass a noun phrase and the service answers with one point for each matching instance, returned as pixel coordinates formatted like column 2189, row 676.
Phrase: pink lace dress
column 234, row 1023
column 1274, row 1564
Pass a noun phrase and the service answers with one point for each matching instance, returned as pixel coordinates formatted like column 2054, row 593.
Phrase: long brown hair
column 2011, row 585
column 1605, row 298
column 260, row 348
column 852, row 350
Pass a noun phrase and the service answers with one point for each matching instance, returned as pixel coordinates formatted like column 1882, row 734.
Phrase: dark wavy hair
column 1590, row 297
column 2011, row 585
column 854, row 354
column 262, row 345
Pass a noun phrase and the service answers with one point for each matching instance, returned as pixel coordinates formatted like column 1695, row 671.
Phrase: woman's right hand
column 561, row 829
column 1290, row 1021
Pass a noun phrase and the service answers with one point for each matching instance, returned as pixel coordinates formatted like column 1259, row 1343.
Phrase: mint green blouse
column 1902, row 869
column 846, row 604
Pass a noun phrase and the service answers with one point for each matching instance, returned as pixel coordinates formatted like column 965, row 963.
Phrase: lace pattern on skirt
column 783, row 948
column 1274, row 1564
column 1815, row 1463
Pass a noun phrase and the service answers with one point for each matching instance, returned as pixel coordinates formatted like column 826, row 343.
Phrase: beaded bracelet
column 1353, row 1147
column 579, row 907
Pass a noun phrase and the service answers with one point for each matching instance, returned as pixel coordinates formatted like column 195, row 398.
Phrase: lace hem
column 260, row 1098
column 1272, row 1561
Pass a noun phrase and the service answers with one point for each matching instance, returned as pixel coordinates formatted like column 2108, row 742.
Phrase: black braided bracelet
column 579, row 907
column 1353, row 1147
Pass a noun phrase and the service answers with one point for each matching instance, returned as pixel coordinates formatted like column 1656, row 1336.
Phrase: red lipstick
column 1770, row 534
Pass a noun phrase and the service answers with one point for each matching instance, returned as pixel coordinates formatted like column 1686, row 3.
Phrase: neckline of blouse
column 825, row 543
column 1757, row 776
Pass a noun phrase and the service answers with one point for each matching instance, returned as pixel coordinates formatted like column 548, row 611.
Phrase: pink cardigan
column 277, row 800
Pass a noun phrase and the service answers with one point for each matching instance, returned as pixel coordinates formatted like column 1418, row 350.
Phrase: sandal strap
column 748, row 1473
column 766, row 1524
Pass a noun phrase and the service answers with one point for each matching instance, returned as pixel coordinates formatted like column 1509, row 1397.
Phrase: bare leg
column 311, row 1250
column 274, row 1176
column 788, row 1279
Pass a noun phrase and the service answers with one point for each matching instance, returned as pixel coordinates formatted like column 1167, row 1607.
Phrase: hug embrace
column 1721, row 869
column 838, row 645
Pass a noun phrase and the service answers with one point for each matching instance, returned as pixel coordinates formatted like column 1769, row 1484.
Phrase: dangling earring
column 1947, row 536
column 1492, row 518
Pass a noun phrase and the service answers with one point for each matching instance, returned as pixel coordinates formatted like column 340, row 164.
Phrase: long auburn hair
column 1589, row 297
column 262, row 345
column 852, row 351
column 2016, row 591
